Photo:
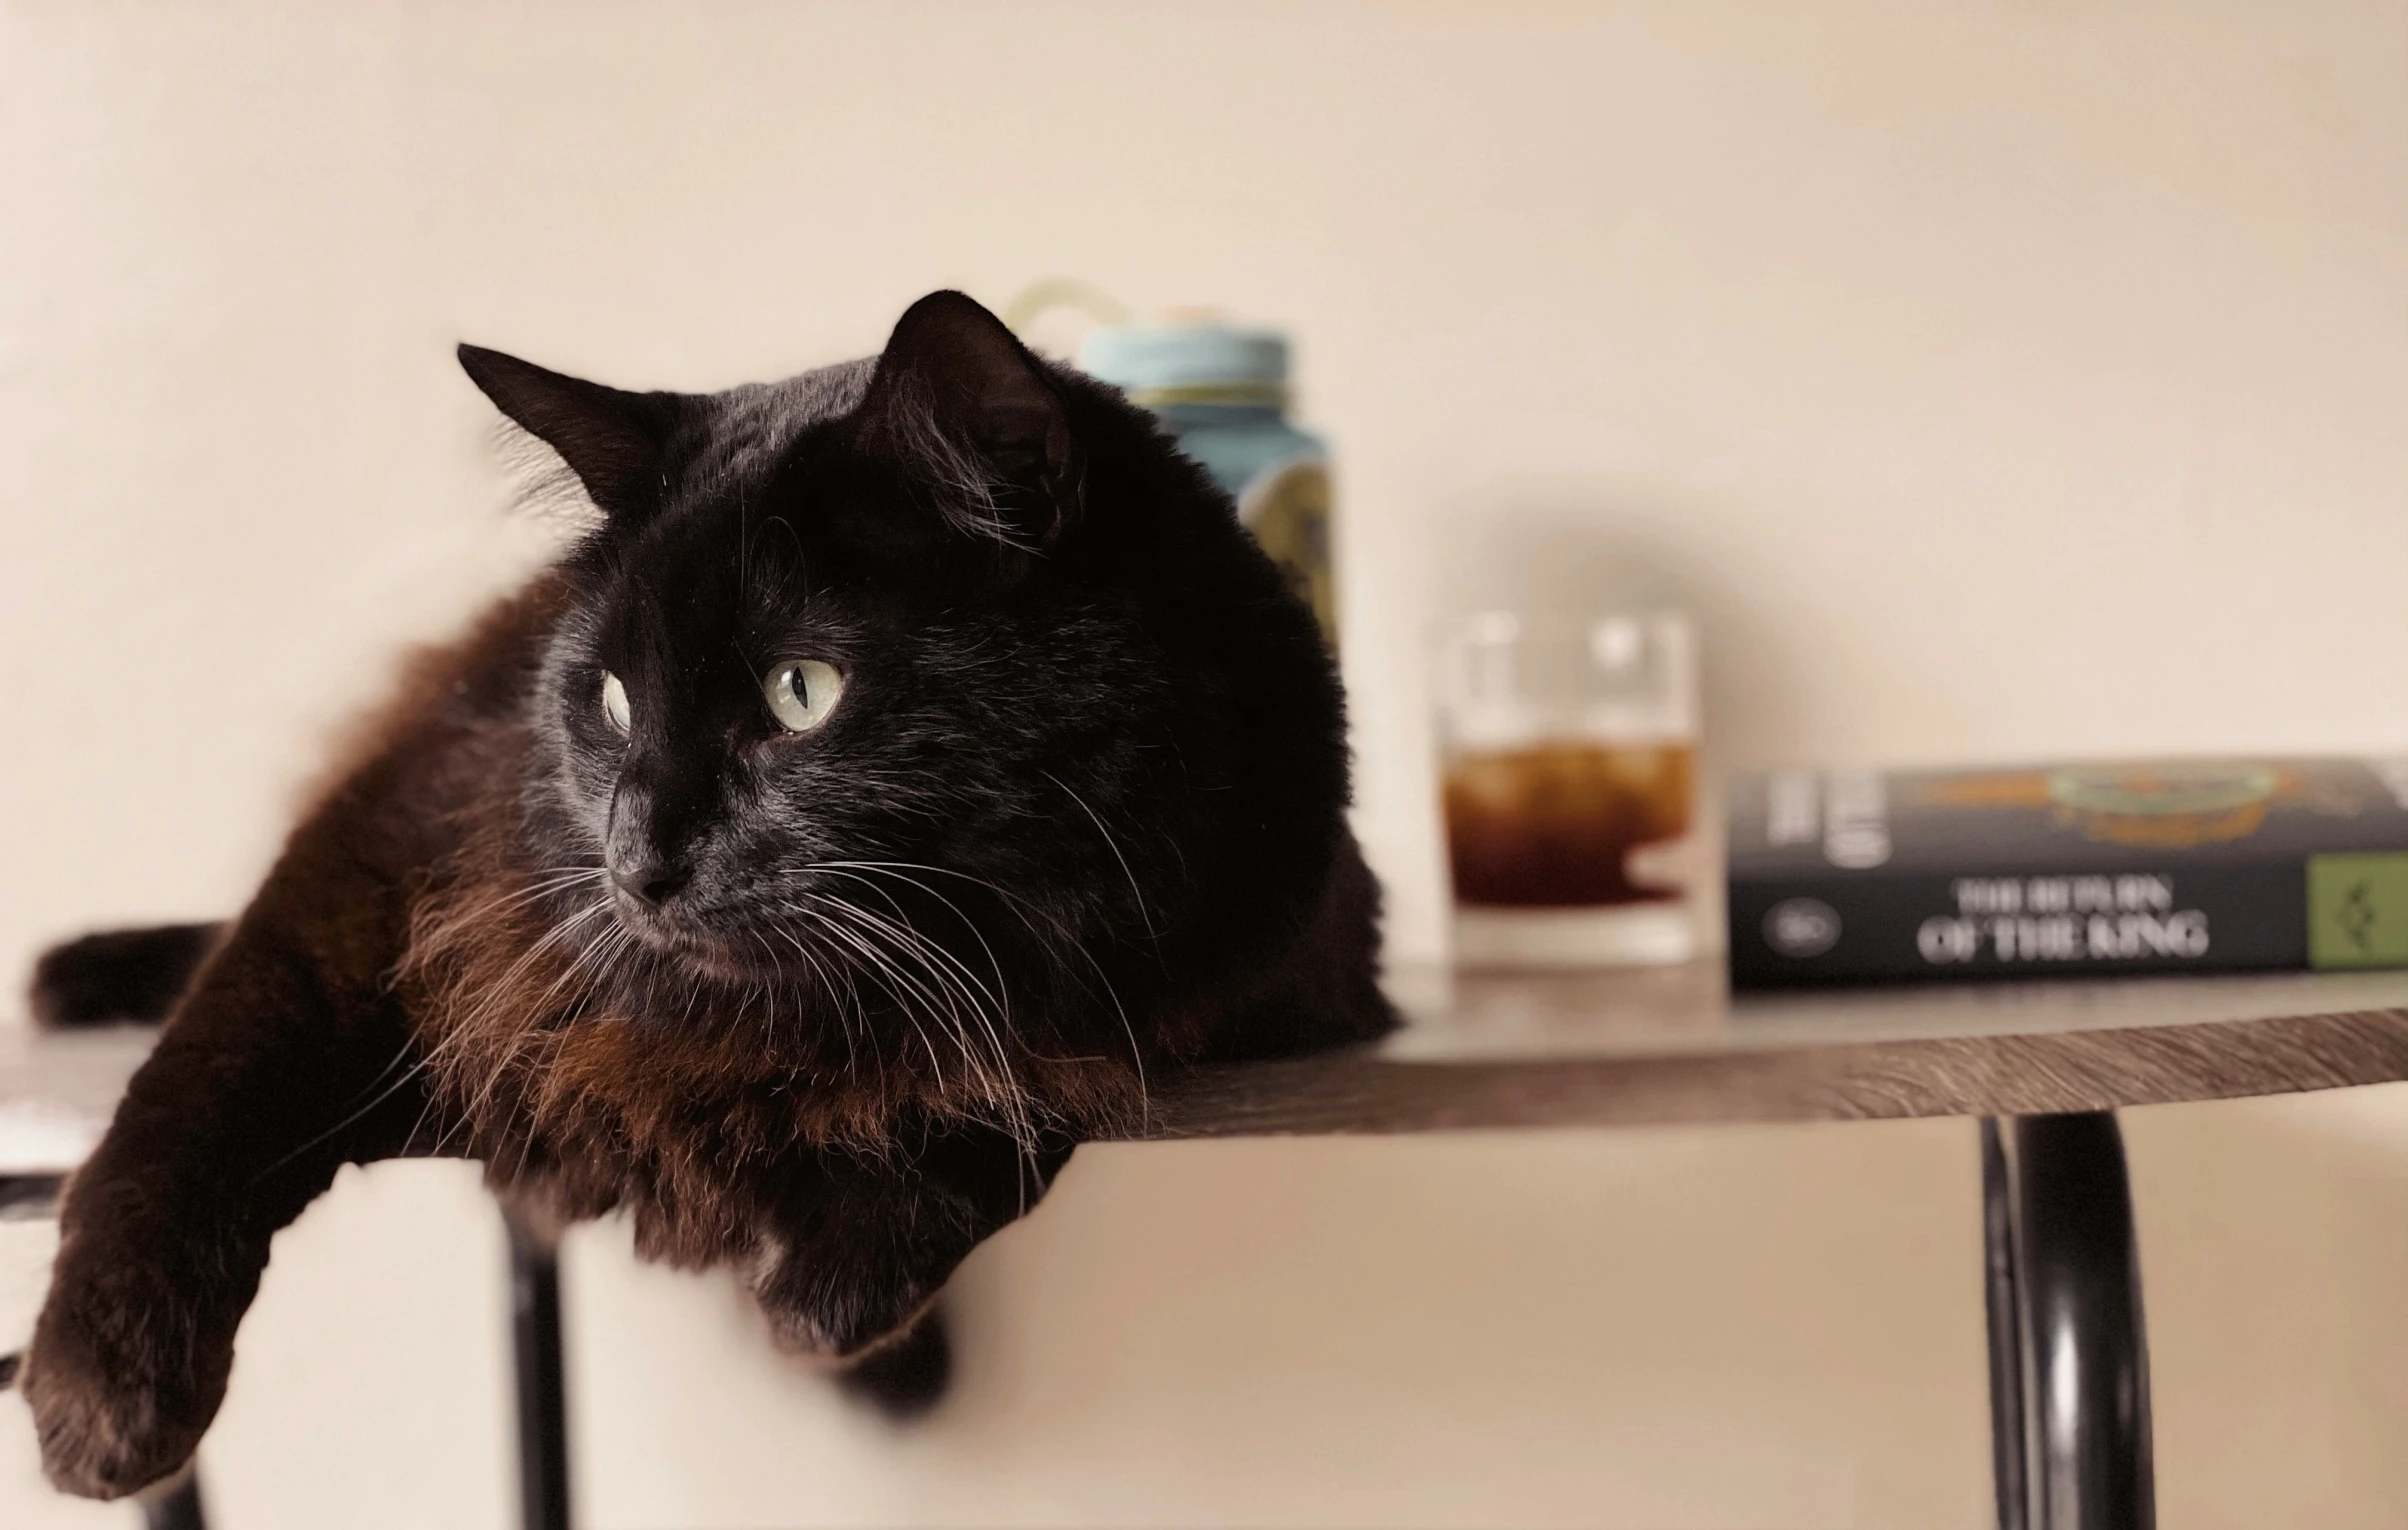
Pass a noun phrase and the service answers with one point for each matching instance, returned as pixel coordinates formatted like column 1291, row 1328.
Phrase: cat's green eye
column 801, row 693
column 614, row 703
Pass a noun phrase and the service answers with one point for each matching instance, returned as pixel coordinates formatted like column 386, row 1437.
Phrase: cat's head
column 922, row 680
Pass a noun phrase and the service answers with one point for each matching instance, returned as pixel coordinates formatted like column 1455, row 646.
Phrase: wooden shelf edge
column 1362, row 1093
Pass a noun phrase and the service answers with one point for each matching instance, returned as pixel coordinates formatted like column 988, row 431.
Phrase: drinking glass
column 1570, row 781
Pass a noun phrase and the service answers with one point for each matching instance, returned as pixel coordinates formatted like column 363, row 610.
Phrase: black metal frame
column 177, row 1507
column 543, row 1431
column 2069, row 1353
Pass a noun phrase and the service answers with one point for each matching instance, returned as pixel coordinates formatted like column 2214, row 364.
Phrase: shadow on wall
column 1658, row 1329
column 1710, row 1328
column 2274, row 1246
column 1654, row 1329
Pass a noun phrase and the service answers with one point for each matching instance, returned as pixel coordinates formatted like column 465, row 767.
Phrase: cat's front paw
column 836, row 1324
column 838, row 1306
column 120, row 1391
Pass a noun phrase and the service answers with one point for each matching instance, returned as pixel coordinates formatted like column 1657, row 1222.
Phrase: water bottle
column 1221, row 390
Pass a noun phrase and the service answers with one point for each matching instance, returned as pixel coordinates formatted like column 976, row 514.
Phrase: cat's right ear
column 613, row 440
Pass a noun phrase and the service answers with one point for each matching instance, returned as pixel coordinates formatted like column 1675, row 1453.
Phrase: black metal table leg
column 2006, row 1334
column 543, row 1436
column 2069, row 1355
column 176, row 1508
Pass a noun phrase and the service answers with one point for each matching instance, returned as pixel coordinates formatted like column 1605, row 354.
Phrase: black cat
column 914, row 761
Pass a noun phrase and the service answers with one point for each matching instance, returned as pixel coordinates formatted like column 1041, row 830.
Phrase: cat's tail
column 117, row 977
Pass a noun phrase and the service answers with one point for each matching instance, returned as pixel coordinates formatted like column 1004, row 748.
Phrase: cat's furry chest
column 700, row 1121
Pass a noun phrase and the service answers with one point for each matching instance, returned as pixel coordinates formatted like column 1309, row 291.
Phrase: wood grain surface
column 1607, row 1050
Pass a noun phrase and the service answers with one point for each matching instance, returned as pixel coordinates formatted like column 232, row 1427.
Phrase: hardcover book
column 2162, row 866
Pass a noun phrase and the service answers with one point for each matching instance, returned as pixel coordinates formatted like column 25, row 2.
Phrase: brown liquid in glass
column 1553, row 825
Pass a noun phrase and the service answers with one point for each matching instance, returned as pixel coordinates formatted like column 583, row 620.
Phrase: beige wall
column 1993, row 378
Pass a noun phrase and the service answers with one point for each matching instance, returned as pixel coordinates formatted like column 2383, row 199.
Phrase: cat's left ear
column 955, row 383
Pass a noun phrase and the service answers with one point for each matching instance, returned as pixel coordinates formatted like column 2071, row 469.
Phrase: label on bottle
column 1287, row 507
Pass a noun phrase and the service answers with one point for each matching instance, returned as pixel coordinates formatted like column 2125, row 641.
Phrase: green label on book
column 2358, row 910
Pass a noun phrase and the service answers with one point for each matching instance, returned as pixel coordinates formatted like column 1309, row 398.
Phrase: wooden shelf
column 1671, row 1044
column 1633, row 1047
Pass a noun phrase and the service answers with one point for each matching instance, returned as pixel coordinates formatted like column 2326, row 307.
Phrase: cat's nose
column 652, row 882
column 649, row 840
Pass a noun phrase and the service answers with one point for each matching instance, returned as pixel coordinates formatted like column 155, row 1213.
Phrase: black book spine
column 1876, row 926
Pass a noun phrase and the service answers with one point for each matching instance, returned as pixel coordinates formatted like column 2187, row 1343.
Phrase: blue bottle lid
column 1203, row 362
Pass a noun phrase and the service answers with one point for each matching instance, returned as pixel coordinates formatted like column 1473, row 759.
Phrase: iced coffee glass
column 1570, row 768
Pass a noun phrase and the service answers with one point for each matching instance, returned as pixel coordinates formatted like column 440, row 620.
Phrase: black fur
column 827, row 1005
column 118, row 976
column 905, row 1377
column 1074, row 688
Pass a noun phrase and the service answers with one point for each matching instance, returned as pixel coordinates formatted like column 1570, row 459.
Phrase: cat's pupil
column 801, row 692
